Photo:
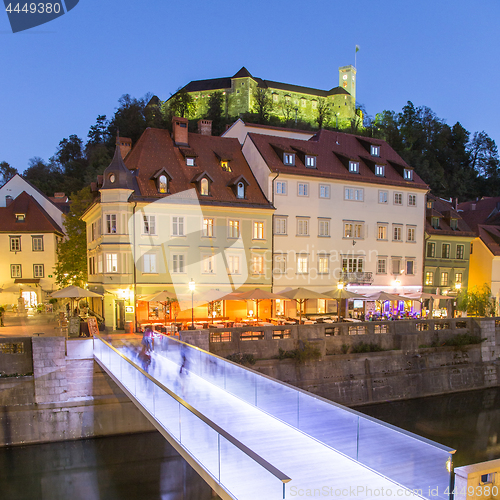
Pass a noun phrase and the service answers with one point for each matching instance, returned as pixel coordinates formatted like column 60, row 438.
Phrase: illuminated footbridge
column 252, row 437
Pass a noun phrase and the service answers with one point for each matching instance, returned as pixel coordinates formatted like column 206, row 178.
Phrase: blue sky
column 56, row 79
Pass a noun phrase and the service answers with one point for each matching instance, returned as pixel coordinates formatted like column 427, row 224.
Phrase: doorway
column 120, row 314
column 30, row 299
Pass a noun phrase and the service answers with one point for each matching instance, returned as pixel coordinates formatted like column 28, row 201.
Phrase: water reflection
column 467, row 421
column 139, row 466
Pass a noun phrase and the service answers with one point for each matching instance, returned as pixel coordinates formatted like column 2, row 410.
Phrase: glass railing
column 228, row 461
column 414, row 462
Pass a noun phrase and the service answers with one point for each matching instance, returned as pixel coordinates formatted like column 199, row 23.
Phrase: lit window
column 408, row 174
column 240, row 190
column 429, row 278
column 353, row 230
column 381, row 266
column 279, row 264
column 20, row 217
column 111, row 224
column 111, row 262
column 324, row 191
column 275, row 98
column 445, row 251
column 177, row 226
column 397, row 230
column 280, row 225
column 444, row 279
column 383, row 196
column 410, row 267
column 410, row 236
column 458, row 277
column 429, row 204
column 323, row 261
column 310, row 161
column 375, row 150
column 288, row 158
column 412, row 200
column 302, row 264
column 208, row 227
column 460, row 251
column 15, row 243
column 225, row 166
column 354, row 167
column 233, row 263
column 324, row 228
column 398, row 198
column 258, row 230
column 149, row 224
column 431, row 249
column 149, row 263
column 190, row 162
column 302, row 227
column 257, row 264
column 204, row 186
column 208, row 264
column 177, row 263
column 381, row 232
column 37, row 243
column 303, row 189
column 281, row 187
column 16, row 271
column 352, row 265
column 162, row 184
column 380, row 170
column 234, row 229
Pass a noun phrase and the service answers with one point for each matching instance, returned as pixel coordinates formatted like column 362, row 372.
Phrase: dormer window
column 429, row 203
column 288, row 159
column 310, row 161
column 435, row 222
column 240, row 190
column 374, row 150
column 20, row 217
column 454, row 224
column 189, row 161
column 204, row 187
column 224, row 164
column 112, row 178
column 408, row 174
column 162, row 184
column 354, row 167
column 380, row 170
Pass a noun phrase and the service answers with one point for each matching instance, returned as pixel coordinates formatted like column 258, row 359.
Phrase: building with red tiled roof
column 28, row 237
column 177, row 208
column 348, row 209
column 448, row 238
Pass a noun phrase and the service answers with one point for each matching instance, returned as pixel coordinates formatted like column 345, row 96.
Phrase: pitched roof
column 483, row 211
column 445, row 211
column 156, row 150
column 37, row 220
column 490, row 236
column 331, row 150
column 117, row 175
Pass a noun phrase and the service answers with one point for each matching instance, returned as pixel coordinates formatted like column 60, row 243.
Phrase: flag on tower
column 357, row 48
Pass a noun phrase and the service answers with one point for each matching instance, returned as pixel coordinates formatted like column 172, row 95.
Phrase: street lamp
column 191, row 289
column 340, row 285
column 458, row 286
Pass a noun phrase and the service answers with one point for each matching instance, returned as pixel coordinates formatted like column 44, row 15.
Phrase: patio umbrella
column 384, row 297
column 420, row 296
column 73, row 292
column 164, row 297
column 257, row 295
column 301, row 296
column 342, row 294
column 213, row 295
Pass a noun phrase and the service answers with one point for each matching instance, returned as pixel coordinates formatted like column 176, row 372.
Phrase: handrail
column 254, row 456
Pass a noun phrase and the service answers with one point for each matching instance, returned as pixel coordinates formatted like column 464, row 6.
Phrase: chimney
column 180, row 130
column 455, row 203
column 205, row 127
column 125, row 145
column 473, row 206
column 59, row 195
column 8, row 200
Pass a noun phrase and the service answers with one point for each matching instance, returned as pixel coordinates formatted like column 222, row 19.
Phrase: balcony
column 356, row 278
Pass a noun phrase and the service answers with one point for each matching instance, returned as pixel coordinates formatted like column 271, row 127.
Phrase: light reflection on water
column 466, row 421
column 132, row 467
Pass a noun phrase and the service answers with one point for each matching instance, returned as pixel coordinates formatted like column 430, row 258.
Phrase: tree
column 180, row 104
column 324, row 112
column 262, row 104
column 477, row 302
column 98, row 133
column 6, row 172
column 288, row 110
column 47, row 177
column 71, row 266
column 129, row 119
column 215, row 112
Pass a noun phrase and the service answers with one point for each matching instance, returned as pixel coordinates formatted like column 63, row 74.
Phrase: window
column 149, row 263
column 99, row 264
column 20, row 217
column 280, row 225
column 224, row 164
column 178, row 263
column 454, row 224
column 303, row 189
column 323, row 264
column 380, row 170
column 257, row 264
column 302, row 264
column 352, row 265
column 149, row 224
column 258, row 230
column 382, row 232
column 177, row 226
column 383, row 196
column 288, row 159
column 38, row 271
column 410, row 267
column 398, row 198
column 15, row 243
column 431, row 249
column 208, row 264
column 303, row 103
column 233, row 264
column 353, row 194
column 354, row 167
column 275, row 97
column 410, row 234
column 111, row 263
column 324, row 227
column 234, row 229
column 208, row 227
column 190, row 162
column 444, row 279
column 111, row 224
column 412, row 200
column 310, row 161
column 381, row 266
column 240, row 190
column 279, row 263
column 408, row 174
column 204, row 187
column 471, row 248
column 460, row 251
column 324, row 191
column 16, row 271
column 396, row 265
column 429, row 278
column 458, row 277
column 162, row 184
column 445, row 251
column 374, row 150
column 435, row 222
column 353, row 229
column 429, row 203
column 281, row 187
column 302, row 227
column 397, row 232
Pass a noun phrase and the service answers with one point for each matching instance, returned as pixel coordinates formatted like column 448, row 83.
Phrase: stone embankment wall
column 67, row 397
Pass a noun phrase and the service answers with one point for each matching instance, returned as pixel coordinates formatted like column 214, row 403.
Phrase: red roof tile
column 445, row 211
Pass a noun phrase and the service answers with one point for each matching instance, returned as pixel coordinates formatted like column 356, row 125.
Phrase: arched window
column 162, row 184
column 204, row 186
column 240, row 192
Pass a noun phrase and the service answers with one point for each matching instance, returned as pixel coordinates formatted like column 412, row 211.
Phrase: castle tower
column 347, row 79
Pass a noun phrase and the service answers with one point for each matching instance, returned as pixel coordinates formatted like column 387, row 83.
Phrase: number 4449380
column 34, row 8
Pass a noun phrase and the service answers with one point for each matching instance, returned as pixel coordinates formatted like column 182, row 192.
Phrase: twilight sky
column 56, row 79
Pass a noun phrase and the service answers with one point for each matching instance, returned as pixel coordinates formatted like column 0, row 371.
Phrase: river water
column 146, row 467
